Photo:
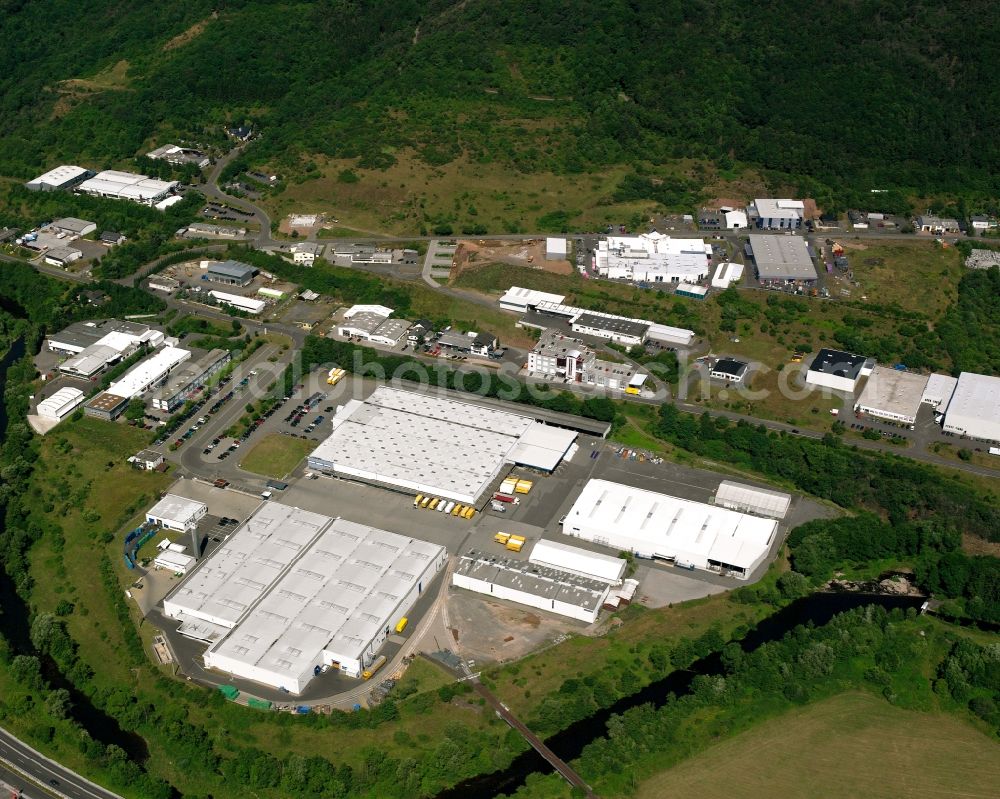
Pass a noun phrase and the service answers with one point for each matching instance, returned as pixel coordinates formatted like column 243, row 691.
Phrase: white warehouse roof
column 892, row 393
column 938, row 391
column 61, row 403
column 575, row 560
column 149, row 372
column 177, row 508
column 726, row 274
column 659, row 525
column 378, row 310
column 763, row 501
column 58, row 176
column 520, row 299
column 294, row 590
column 248, row 304
column 436, row 445
column 974, row 410
column 127, row 186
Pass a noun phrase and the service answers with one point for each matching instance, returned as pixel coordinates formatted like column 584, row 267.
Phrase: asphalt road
column 18, row 759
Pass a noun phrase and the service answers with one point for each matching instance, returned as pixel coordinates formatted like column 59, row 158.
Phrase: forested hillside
column 835, row 97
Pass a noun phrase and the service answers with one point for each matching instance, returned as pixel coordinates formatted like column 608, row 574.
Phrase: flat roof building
column 614, row 328
column 689, row 534
column 774, row 214
column 291, row 592
column 782, row 259
column 176, row 562
column 248, row 304
column 147, row 460
column 361, row 324
column 175, row 512
column 838, row 370
column 750, row 499
column 187, row 380
column 435, row 445
column 60, row 404
column 974, row 410
column 231, row 273
column 149, row 373
column 892, row 394
column 522, row 300
column 534, row 585
column 938, row 391
column 556, row 249
column 106, row 406
column 652, row 258
column 93, row 346
column 62, row 178
column 581, row 562
column 390, row 332
column 127, row 186
column 557, row 355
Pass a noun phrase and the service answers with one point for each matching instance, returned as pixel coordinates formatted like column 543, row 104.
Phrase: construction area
column 470, row 255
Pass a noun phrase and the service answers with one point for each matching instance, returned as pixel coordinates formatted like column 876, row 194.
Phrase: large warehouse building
column 435, row 445
column 536, row 586
column 127, row 186
column 654, row 525
column 62, row 178
column 974, row 410
column 293, row 591
column 779, row 260
column 892, row 394
column 652, row 258
column 581, row 562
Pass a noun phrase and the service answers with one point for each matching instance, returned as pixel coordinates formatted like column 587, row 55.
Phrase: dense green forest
column 835, row 98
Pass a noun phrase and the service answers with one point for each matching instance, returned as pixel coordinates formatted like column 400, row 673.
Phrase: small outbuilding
column 178, row 513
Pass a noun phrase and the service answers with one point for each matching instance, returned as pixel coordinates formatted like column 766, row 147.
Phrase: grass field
column 852, row 745
column 276, row 455
column 889, row 272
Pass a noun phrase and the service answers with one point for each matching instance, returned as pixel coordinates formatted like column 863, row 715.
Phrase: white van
column 449, row 507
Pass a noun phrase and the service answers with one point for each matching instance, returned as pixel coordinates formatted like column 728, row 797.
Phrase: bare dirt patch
column 191, row 33
column 530, row 253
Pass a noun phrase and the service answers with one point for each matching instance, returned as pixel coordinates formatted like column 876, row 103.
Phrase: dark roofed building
column 838, row 370
column 231, row 273
column 730, row 369
column 111, row 237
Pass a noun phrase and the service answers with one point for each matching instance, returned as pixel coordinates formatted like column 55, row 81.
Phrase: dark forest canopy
column 834, row 97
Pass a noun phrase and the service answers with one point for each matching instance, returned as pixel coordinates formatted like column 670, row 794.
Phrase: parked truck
column 509, row 498
column 376, row 664
column 502, row 538
column 515, row 543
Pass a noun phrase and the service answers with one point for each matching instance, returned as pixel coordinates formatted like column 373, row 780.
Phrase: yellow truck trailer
column 378, row 663
column 502, row 538
column 458, row 510
column 523, row 486
column 417, row 500
column 469, row 512
column 401, row 624
column 514, row 545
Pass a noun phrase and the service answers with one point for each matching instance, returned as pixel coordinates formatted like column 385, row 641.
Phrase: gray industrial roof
column 782, row 258
column 628, row 327
column 534, row 579
column 893, row 391
column 234, row 269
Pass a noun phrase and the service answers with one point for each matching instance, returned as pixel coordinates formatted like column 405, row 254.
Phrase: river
column 569, row 744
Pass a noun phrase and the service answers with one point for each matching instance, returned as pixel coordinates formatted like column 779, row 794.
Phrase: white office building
column 686, row 533
column 974, row 410
column 892, row 394
column 771, row 214
column 291, row 592
column 653, row 258
column 534, row 585
column 178, row 513
column 428, row 444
